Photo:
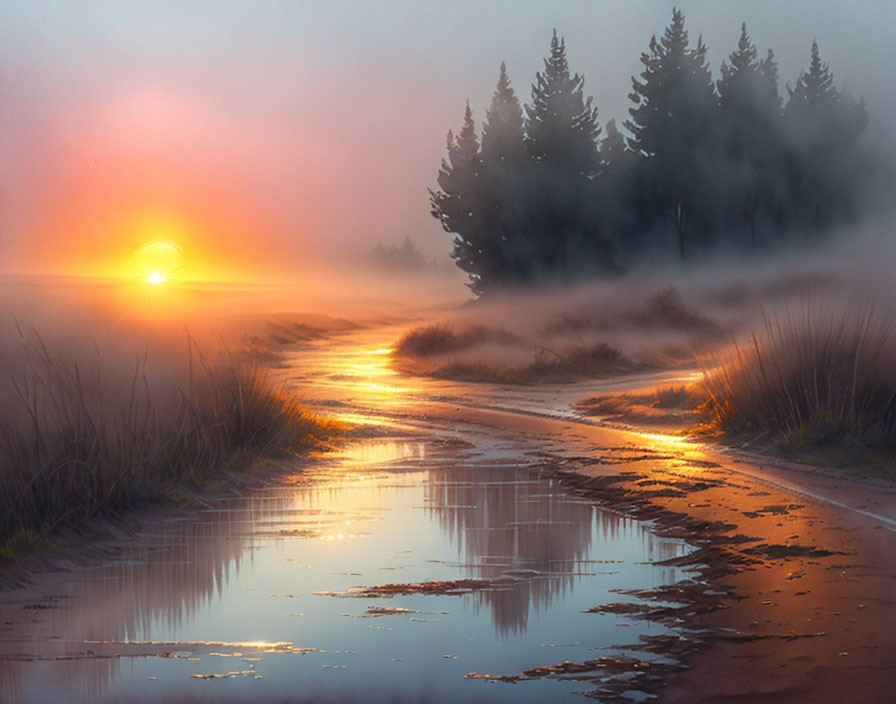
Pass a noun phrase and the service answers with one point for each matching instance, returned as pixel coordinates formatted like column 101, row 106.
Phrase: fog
column 283, row 132
column 226, row 307
column 278, row 145
column 685, row 318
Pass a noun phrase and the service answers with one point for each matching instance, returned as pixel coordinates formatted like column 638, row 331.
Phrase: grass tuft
column 21, row 543
column 816, row 378
column 663, row 409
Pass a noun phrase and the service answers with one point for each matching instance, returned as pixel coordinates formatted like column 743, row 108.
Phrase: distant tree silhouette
column 823, row 127
column 506, row 180
column 458, row 201
column 562, row 132
column 400, row 258
column 814, row 87
column 673, row 126
column 612, row 150
column 545, row 197
column 616, row 205
column 751, row 134
column 502, row 131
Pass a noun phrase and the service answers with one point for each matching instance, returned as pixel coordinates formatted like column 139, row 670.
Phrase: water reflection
column 359, row 374
column 507, row 522
column 380, row 452
column 248, row 569
column 177, row 571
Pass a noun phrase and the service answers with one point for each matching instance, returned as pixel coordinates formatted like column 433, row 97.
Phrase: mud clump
column 622, row 608
column 775, row 510
column 778, row 551
column 566, row 667
column 376, row 611
column 448, row 587
column 611, row 676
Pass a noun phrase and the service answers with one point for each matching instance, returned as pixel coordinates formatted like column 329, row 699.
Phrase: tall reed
column 81, row 440
column 815, row 377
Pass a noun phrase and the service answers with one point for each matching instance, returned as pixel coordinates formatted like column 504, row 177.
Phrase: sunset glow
column 159, row 260
column 518, row 359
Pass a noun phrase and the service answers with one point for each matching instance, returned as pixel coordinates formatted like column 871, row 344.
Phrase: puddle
column 207, row 609
column 379, row 452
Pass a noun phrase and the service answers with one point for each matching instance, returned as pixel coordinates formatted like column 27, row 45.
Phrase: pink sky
column 272, row 133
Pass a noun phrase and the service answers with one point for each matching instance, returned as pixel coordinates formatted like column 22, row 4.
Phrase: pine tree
column 815, row 87
column 561, row 124
column 457, row 203
column 615, row 205
column 827, row 167
column 502, row 131
column 673, row 126
column 562, row 132
column 612, row 148
column 506, row 176
column 750, row 112
column 768, row 67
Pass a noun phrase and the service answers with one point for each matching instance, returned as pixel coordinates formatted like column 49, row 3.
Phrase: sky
column 263, row 136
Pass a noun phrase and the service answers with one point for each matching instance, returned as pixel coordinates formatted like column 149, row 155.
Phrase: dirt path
column 801, row 596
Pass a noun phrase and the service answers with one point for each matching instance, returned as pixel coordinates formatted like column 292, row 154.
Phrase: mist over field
column 419, row 351
column 622, row 190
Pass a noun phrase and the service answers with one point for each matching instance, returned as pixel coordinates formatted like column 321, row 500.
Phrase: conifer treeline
column 546, row 193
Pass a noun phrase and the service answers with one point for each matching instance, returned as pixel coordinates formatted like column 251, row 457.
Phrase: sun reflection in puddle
column 664, row 443
column 362, row 419
column 381, row 452
column 358, row 372
column 661, row 441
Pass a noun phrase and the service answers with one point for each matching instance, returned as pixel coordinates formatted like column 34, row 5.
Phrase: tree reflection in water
column 508, row 522
column 182, row 581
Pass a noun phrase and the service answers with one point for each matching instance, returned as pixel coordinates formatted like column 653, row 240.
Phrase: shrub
column 433, row 340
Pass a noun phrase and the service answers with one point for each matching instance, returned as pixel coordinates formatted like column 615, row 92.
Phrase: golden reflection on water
column 672, row 443
column 380, row 452
column 500, row 521
column 363, row 419
column 355, row 382
column 358, row 372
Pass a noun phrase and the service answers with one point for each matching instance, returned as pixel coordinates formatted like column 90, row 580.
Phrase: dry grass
column 580, row 361
column 815, row 378
column 543, row 366
column 666, row 309
column 79, row 441
column 432, row 340
column 559, row 338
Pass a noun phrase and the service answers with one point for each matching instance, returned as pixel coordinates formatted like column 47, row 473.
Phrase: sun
column 158, row 261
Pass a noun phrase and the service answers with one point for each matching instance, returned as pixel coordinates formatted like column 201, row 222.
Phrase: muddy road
column 477, row 543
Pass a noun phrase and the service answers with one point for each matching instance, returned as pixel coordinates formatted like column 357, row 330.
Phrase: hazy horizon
column 261, row 137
